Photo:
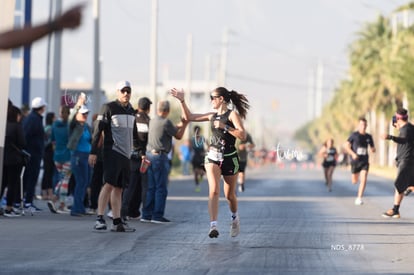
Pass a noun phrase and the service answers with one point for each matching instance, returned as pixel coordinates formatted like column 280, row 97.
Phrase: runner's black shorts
column 242, row 166
column 116, row 168
column 405, row 176
column 229, row 165
column 358, row 166
column 327, row 164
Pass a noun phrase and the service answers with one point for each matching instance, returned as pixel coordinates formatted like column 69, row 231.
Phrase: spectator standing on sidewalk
column 80, row 145
column 161, row 132
column 117, row 121
column 49, row 168
column 61, row 158
column 134, row 194
column 12, row 161
column 34, row 135
column 97, row 173
column 404, row 160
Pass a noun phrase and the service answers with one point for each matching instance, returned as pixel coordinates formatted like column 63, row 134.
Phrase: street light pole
column 154, row 53
column 96, row 93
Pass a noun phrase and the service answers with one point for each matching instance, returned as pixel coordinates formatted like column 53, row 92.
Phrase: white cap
column 122, row 84
column 38, row 102
column 83, row 110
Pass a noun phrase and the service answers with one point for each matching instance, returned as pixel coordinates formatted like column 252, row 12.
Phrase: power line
column 294, row 86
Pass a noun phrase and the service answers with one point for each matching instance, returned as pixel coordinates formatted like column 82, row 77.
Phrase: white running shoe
column 358, row 201
column 52, row 207
column 109, row 214
column 235, row 227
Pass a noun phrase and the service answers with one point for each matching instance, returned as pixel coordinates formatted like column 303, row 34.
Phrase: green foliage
column 380, row 79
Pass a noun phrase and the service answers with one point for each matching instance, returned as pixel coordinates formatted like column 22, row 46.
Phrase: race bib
column 330, row 158
column 361, row 151
column 214, row 155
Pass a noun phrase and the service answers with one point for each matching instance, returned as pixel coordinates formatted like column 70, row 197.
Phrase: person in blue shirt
column 185, row 157
column 80, row 138
column 61, row 158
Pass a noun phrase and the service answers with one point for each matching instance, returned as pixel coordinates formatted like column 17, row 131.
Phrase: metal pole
column 154, row 53
column 49, row 94
column 188, row 67
column 319, row 84
column 26, row 56
column 57, row 59
column 223, row 58
column 189, row 75
column 96, row 67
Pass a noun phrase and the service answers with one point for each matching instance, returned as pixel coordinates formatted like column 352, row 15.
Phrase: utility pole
column 311, row 96
column 189, row 67
column 154, row 54
column 57, row 61
column 319, row 88
column 223, row 58
column 49, row 94
column 96, row 60
column 26, row 56
column 189, row 74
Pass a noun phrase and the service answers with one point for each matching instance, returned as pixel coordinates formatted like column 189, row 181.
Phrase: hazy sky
column 273, row 47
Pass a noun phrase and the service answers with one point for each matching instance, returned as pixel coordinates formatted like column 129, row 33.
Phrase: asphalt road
column 290, row 224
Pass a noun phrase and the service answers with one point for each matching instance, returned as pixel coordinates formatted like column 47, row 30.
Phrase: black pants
column 11, row 180
column 48, row 169
column 134, row 194
column 96, row 184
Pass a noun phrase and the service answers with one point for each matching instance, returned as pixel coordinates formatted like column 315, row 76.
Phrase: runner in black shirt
column 404, row 160
column 357, row 147
column 329, row 154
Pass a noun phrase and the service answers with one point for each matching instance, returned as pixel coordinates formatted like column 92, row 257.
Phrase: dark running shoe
column 160, row 220
column 407, row 192
column 391, row 214
column 11, row 213
column 213, row 232
column 122, row 227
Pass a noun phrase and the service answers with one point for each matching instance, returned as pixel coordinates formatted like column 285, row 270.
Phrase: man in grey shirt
column 161, row 132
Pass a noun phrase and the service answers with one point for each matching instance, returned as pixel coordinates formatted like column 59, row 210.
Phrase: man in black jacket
column 133, row 195
column 404, row 160
column 117, row 121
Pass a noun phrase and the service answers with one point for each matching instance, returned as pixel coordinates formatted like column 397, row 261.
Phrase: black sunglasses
column 128, row 91
column 214, row 96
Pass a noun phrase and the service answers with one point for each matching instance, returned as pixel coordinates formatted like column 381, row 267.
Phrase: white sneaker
column 235, row 227
column 52, row 207
column 358, row 201
column 109, row 214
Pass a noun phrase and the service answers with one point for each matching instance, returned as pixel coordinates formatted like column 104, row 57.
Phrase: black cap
column 144, row 103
